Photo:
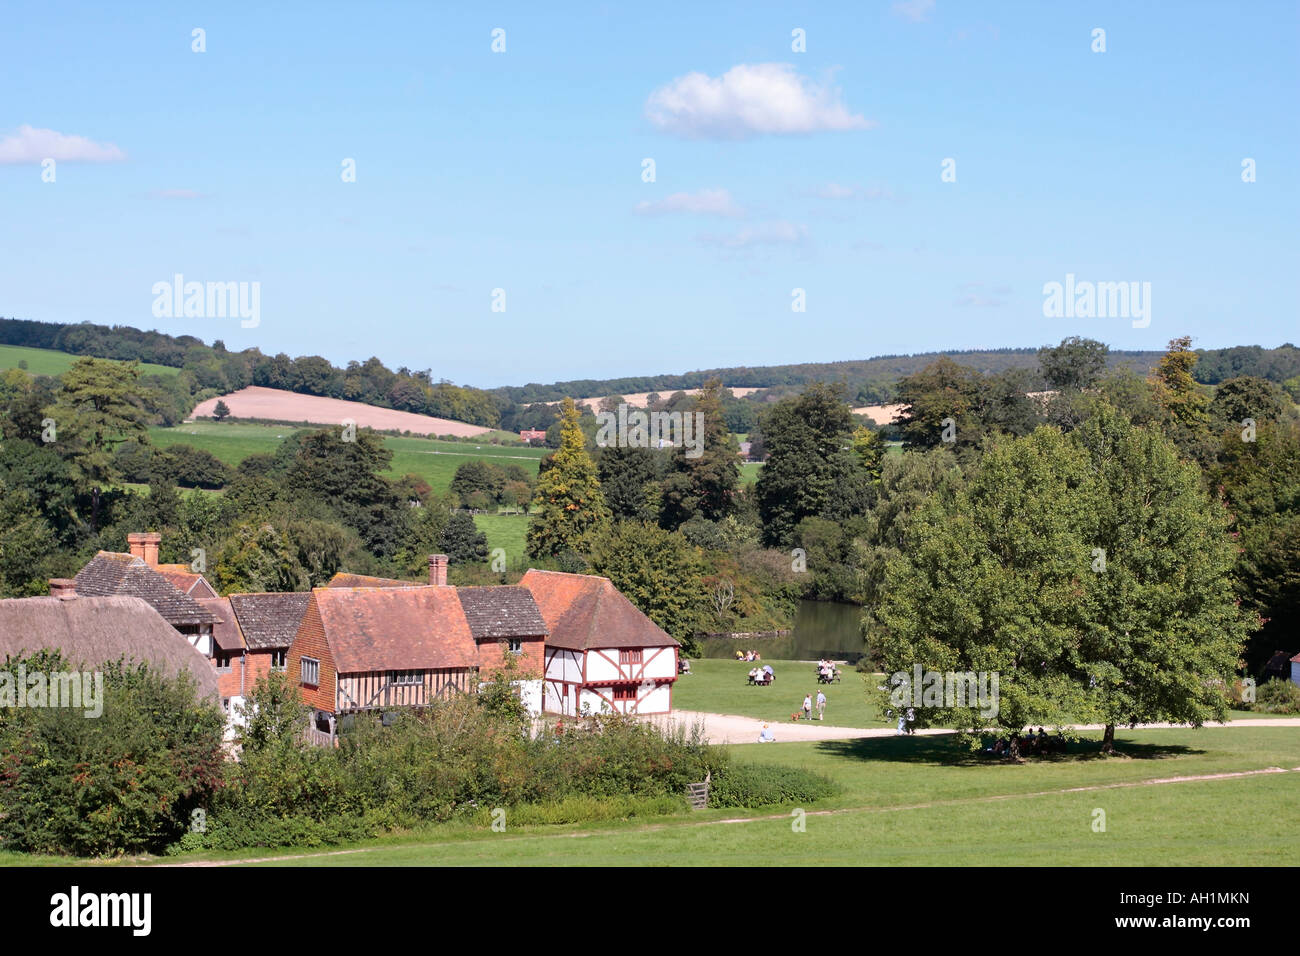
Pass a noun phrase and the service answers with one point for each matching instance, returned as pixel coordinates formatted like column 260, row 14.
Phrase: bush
column 1278, row 697
column 762, row 785
column 123, row 782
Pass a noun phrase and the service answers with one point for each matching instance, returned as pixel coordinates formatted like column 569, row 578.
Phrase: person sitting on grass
column 765, row 736
column 771, row 674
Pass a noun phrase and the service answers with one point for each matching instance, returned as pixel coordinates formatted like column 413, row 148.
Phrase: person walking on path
column 821, row 705
column 807, row 706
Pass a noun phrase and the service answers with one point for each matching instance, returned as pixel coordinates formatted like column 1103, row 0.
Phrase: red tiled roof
column 345, row 580
column 584, row 611
column 407, row 628
column 226, row 631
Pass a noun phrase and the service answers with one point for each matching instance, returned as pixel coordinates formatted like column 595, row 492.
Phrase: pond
column 821, row 629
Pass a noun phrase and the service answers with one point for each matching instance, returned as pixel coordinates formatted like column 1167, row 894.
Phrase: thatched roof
column 91, row 631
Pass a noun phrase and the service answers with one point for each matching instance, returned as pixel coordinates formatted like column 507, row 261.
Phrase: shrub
column 1278, row 697
column 122, row 782
column 761, row 785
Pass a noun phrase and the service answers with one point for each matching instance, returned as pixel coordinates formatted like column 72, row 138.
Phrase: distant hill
column 274, row 404
column 50, row 362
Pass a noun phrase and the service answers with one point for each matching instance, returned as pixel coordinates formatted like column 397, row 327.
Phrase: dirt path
column 736, row 729
column 654, row 827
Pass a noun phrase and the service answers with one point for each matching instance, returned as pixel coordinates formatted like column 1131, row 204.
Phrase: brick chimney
column 63, row 588
column 438, row 570
column 144, row 545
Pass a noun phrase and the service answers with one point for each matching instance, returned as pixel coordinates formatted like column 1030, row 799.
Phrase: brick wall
column 311, row 642
column 532, row 663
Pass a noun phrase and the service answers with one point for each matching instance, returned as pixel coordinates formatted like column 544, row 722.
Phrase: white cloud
column 31, row 145
column 747, row 100
column 707, row 202
column 914, row 10
column 763, row 234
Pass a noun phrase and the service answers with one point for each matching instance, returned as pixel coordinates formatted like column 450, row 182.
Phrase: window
column 279, row 659
column 625, row 692
column 310, row 671
column 630, row 657
column 223, row 662
column 406, row 678
column 516, row 645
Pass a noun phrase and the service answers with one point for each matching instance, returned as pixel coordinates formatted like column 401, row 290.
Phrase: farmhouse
column 112, row 573
column 90, row 631
column 602, row 653
column 376, row 648
column 268, row 623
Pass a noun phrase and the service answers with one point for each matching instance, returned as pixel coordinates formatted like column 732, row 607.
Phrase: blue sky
column 774, row 170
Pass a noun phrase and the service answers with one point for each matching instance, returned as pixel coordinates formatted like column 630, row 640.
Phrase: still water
column 821, row 629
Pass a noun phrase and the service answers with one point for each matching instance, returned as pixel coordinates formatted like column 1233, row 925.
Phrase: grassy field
column 505, row 531
column 434, row 461
column 926, row 801
column 49, row 362
column 722, row 687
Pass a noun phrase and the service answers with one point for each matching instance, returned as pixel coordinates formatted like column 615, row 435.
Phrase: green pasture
column 722, row 687
column 433, row 460
column 50, row 362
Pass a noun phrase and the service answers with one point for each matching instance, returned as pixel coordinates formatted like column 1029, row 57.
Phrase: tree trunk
column 94, row 510
column 1108, row 740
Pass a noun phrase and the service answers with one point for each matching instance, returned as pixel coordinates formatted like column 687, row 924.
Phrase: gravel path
column 735, row 729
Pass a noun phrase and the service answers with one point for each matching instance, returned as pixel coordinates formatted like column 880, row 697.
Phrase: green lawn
column 923, row 801
column 434, row 461
column 927, row 801
column 721, row 687
column 749, row 471
column 50, row 362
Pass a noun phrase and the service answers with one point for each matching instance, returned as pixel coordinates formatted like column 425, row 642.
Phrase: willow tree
column 568, row 503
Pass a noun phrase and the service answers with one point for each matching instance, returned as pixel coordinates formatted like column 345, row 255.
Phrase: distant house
column 187, row 581
column 111, row 573
column 602, row 653
column 228, row 656
column 505, row 622
column 268, row 623
column 91, row 631
column 360, row 649
column 531, row 435
column 345, row 580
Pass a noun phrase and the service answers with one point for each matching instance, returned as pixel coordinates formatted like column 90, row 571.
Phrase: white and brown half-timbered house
column 602, row 654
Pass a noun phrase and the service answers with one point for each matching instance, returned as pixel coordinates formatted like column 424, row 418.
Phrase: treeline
column 831, row 511
column 866, row 381
column 207, row 371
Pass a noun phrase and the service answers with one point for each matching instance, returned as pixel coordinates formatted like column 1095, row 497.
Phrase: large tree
column 568, row 503
column 659, row 571
column 100, row 406
column 703, row 486
column 1091, row 572
column 1073, row 365
column 1160, row 626
column 811, row 469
